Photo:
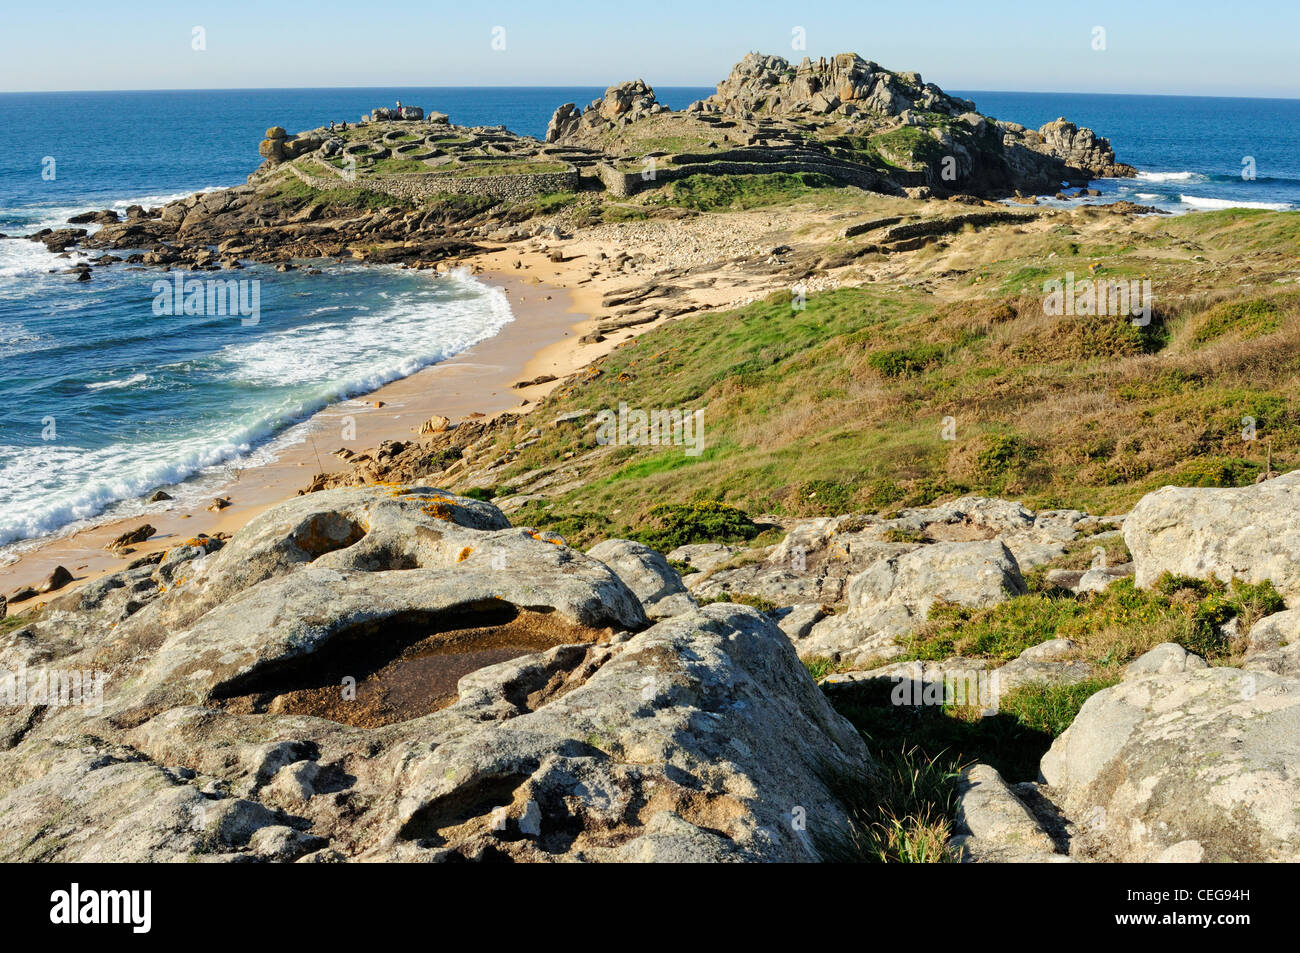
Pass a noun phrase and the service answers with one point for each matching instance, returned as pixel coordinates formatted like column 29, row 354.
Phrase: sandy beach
column 554, row 304
column 541, row 340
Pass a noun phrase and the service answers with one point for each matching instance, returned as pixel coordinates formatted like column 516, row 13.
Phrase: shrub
column 1218, row 471
column 1004, row 453
column 905, row 361
column 670, row 525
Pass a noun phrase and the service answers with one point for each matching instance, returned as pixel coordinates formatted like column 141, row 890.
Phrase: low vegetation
column 720, row 193
column 1112, row 627
column 875, row 398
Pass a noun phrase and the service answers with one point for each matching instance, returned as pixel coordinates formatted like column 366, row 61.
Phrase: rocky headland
column 1043, row 565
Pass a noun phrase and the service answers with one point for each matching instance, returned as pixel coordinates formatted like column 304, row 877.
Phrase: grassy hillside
column 845, row 405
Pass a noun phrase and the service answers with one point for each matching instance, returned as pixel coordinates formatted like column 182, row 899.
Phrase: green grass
column 1243, row 319
column 1112, row 627
column 503, row 167
column 719, row 193
column 909, row 146
column 12, row 623
column 293, row 193
column 398, row 166
column 821, row 666
column 841, row 407
column 1050, row 709
column 900, row 814
column 754, row 602
column 903, row 813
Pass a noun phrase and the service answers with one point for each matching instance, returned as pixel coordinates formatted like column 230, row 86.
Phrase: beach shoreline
column 542, row 339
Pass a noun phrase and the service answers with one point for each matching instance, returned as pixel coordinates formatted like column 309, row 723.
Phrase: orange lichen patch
column 437, row 506
column 538, row 536
column 464, row 554
column 195, row 541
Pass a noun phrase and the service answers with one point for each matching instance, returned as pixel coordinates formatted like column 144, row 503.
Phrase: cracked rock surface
column 395, row 673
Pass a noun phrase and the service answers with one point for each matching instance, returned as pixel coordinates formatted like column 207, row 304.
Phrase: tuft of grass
column 743, row 599
column 903, row 813
column 1048, row 708
column 1112, row 627
column 821, row 666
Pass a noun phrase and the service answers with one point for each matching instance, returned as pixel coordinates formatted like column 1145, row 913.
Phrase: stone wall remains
column 418, row 186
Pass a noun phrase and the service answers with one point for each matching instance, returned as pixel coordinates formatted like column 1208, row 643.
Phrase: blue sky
column 1151, row 46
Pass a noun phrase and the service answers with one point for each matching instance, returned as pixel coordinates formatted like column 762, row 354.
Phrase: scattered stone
column 1250, row 532
column 138, row 535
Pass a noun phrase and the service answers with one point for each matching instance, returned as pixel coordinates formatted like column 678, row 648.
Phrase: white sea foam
column 114, row 385
column 20, row 258
column 1196, row 201
column 1172, row 177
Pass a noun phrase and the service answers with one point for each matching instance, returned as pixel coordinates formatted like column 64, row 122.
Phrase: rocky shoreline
column 402, row 663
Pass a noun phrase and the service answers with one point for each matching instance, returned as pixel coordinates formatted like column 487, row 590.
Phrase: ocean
column 103, row 400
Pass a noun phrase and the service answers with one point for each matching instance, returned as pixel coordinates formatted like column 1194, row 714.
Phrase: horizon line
column 254, row 89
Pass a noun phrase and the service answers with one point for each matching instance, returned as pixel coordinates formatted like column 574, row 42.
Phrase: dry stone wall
column 418, row 186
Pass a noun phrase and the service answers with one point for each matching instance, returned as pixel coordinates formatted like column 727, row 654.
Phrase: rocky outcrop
column 1250, row 532
column 279, row 146
column 1182, row 761
column 396, row 673
column 622, row 103
column 844, row 84
column 846, row 88
column 1083, row 149
column 647, row 573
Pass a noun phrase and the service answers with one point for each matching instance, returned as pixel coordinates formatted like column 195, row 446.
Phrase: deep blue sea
column 102, row 400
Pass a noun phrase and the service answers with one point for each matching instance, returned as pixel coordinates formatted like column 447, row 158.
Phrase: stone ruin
column 393, row 112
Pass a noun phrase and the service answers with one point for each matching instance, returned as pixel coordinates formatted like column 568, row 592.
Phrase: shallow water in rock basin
column 396, row 683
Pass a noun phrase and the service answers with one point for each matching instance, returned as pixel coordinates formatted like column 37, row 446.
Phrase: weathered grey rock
column 700, row 738
column 1274, row 644
column 896, row 593
column 1205, row 754
column 974, row 574
column 1184, row 852
column 1250, row 532
column 797, row 621
column 1166, row 658
column 995, row 826
column 647, row 573
column 282, row 844
column 703, row 556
